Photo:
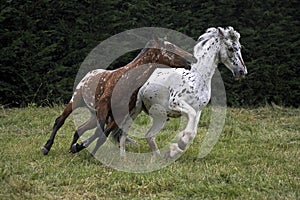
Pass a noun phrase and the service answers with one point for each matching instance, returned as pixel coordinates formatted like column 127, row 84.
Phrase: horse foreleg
column 58, row 123
column 159, row 116
column 188, row 134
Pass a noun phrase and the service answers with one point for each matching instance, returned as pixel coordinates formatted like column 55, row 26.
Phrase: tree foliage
column 43, row 43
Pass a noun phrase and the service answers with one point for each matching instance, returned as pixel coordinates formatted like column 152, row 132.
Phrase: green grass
column 257, row 157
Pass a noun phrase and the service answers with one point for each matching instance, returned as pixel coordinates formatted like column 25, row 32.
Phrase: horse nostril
column 241, row 72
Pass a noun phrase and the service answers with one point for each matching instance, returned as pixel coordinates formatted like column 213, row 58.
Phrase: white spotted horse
column 96, row 88
column 171, row 93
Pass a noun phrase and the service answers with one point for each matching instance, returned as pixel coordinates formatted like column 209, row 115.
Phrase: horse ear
column 221, row 32
column 155, row 37
column 157, row 40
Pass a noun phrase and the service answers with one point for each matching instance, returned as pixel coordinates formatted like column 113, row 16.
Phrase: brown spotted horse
column 97, row 87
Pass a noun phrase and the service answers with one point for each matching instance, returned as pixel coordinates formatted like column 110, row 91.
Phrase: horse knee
column 174, row 150
column 184, row 139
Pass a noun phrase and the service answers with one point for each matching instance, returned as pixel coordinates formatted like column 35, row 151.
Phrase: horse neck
column 145, row 57
column 207, row 59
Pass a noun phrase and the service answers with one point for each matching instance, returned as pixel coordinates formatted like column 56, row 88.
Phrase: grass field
column 257, row 157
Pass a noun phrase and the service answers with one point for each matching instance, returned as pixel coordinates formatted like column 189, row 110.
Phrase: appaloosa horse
column 96, row 88
column 176, row 92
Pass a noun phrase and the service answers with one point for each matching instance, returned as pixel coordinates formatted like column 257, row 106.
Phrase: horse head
column 169, row 54
column 230, row 51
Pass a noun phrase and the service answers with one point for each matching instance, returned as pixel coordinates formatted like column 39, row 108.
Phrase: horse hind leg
column 75, row 148
column 159, row 116
column 57, row 125
column 101, row 115
column 159, row 120
column 74, row 103
column 88, row 125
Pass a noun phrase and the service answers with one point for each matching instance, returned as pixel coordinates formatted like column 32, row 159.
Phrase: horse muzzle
column 240, row 72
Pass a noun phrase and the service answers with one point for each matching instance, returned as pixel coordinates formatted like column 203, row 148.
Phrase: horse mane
column 149, row 45
column 230, row 33
column 227, row 33
column 209, row 33
column 141, row 53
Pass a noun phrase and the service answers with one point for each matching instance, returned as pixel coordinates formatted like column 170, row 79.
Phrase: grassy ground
column 256, row 157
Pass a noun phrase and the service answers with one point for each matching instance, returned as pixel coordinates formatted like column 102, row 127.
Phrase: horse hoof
column 74, row 148
column 44, row 150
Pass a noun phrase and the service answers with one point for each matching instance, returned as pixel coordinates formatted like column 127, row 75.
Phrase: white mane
column 210, row 32
column 227, row 33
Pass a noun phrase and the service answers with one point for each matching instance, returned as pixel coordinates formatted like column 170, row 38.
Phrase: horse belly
column 173, row 113
column 152, row 94
column 156, row 91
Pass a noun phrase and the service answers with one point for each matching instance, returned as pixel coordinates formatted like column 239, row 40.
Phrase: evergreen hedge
column 43, row 43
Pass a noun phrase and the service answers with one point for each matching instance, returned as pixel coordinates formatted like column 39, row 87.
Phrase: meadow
column 256, row 157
